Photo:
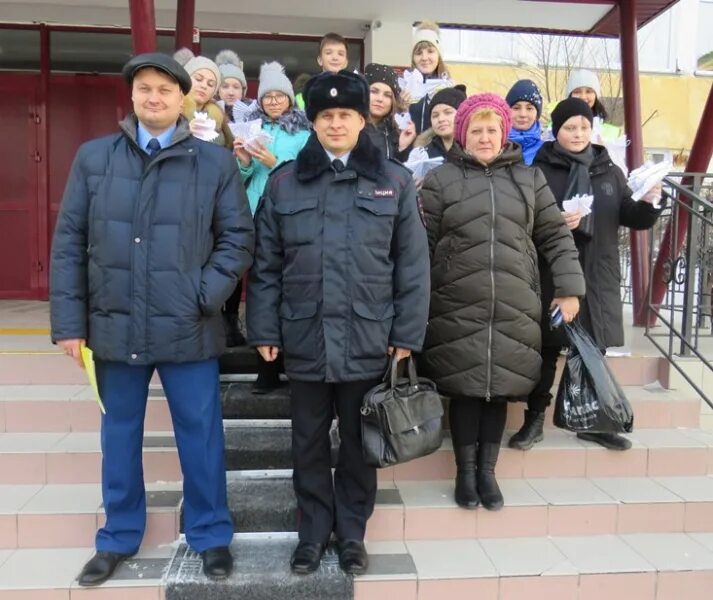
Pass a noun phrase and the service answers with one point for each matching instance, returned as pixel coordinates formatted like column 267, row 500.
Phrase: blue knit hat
column 525, row 90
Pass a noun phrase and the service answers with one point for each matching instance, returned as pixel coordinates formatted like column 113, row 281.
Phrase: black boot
column 100, row 568
column 531, row 431
column 490, row 495
column 611, row 441
column 466, row 493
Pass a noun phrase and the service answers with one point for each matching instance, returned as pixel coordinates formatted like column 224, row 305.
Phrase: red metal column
column 698, row 161
column 143, row 25
column 185, row 21
column 634, row 151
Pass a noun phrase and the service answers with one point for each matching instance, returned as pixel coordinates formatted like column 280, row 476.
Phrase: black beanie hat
column 452, row 96
column 376, row 73
column 344, row 89
column 571, row 107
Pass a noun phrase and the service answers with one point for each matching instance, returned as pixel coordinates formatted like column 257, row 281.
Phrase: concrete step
column 72, row 408
column 31, row 458
column 61, row 515
column 39, row 458
column 655, row 453
column 533, row 507
column 50, row 574
column 616, row 567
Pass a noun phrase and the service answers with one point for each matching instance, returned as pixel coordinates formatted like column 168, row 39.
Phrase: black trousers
column 342, row 505
column 475, row 420
column 541, row 397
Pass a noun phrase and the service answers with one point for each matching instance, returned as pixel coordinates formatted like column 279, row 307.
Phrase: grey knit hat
column 192, row 63
column 231, row 67
column 582, row 78
column 273, row 79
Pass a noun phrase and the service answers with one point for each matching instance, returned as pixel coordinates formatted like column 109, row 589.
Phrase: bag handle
column 393, row 371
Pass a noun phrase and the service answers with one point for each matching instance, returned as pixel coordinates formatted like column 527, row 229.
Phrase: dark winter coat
column 147, row 250
column 341, row 265
column 601, row 311
column 385, row 136
column 485, row 226
column 421, row 114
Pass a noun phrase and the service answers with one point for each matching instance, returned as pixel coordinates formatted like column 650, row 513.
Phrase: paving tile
column 518, row 492
column 635, row 490
column 29, row 442
column 77, row 442
column 427, row 494
column 383, row 547
column 666, row 438
column 655, row 517
column 519, row 557
column 4, row 555
column 366, row 589
column 698, row 517
column 565, row 492
column 390, row 566
column 512, row 522
column 705, row 539
column 595, row 519
column 56, row 530
column 2, row 417
column 387, row 523
column 8, row 531
column 439, row 523
column 692, row 585
column 617, row 586
column 23, row 468
column 551, row 588
column 388, row 497
column 37, row 417
column 691, row 489
column 62, row 393
column 457, row 589
column 450, row 559
column 14, row 497
column 58, row 568
column 671, row 552
column 601, row 554
column 74, row 467
column 607, row 463
column 64, row 498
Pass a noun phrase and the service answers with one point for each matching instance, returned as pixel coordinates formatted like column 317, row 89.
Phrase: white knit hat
column 583, row 78
column 427, row 32
column 273, row 79
column 192, row 63
column 231, row 67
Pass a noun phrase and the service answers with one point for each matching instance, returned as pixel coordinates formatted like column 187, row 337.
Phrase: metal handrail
column 686, row 309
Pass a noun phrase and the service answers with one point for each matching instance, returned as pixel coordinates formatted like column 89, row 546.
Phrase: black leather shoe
column 100, row 567
column 611, row 441
column 352, row 556
column 306, row 558
column 217, row 562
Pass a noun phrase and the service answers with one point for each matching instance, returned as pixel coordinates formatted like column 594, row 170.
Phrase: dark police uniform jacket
column 341, row 266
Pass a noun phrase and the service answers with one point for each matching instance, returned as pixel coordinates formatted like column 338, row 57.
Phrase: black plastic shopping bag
column 589, row 398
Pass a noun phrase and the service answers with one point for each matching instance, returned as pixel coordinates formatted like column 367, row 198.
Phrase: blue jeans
column 193, row 393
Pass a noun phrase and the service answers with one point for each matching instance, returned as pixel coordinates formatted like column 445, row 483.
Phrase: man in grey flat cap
column 152, row 236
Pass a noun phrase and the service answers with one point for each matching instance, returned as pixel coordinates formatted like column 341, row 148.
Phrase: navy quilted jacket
column 146, row 250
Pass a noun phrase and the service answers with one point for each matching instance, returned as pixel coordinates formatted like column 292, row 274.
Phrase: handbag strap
column 392, row 372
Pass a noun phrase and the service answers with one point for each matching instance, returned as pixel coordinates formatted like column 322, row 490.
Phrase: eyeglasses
column 274, row 99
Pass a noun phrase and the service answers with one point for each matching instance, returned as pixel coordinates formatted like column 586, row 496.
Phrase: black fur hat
column 345, row 89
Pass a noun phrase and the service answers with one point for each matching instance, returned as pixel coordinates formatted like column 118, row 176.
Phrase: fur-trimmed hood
column 366, row 159
column 214, row 111
column 291, row 121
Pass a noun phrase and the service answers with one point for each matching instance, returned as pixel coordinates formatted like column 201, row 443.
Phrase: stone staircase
column 580, row 522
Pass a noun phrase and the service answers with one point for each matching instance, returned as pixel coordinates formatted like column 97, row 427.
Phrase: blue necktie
column 338, row 165
column 153, row 147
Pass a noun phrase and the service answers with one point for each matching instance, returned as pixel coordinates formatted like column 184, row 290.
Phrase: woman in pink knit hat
column 487, row 216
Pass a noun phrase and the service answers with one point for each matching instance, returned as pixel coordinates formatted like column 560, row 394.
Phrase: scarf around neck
column 578, row 181
column 530, row 140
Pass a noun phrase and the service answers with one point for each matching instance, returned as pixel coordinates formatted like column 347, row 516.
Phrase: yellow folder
column 88, row 361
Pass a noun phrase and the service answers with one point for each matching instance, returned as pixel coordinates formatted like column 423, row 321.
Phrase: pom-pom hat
column 480, row 102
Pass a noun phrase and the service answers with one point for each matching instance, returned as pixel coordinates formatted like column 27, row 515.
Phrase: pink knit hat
column 479, row 102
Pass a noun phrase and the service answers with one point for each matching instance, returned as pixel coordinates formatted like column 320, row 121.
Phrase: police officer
column 340, row 281
column 153, row 233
